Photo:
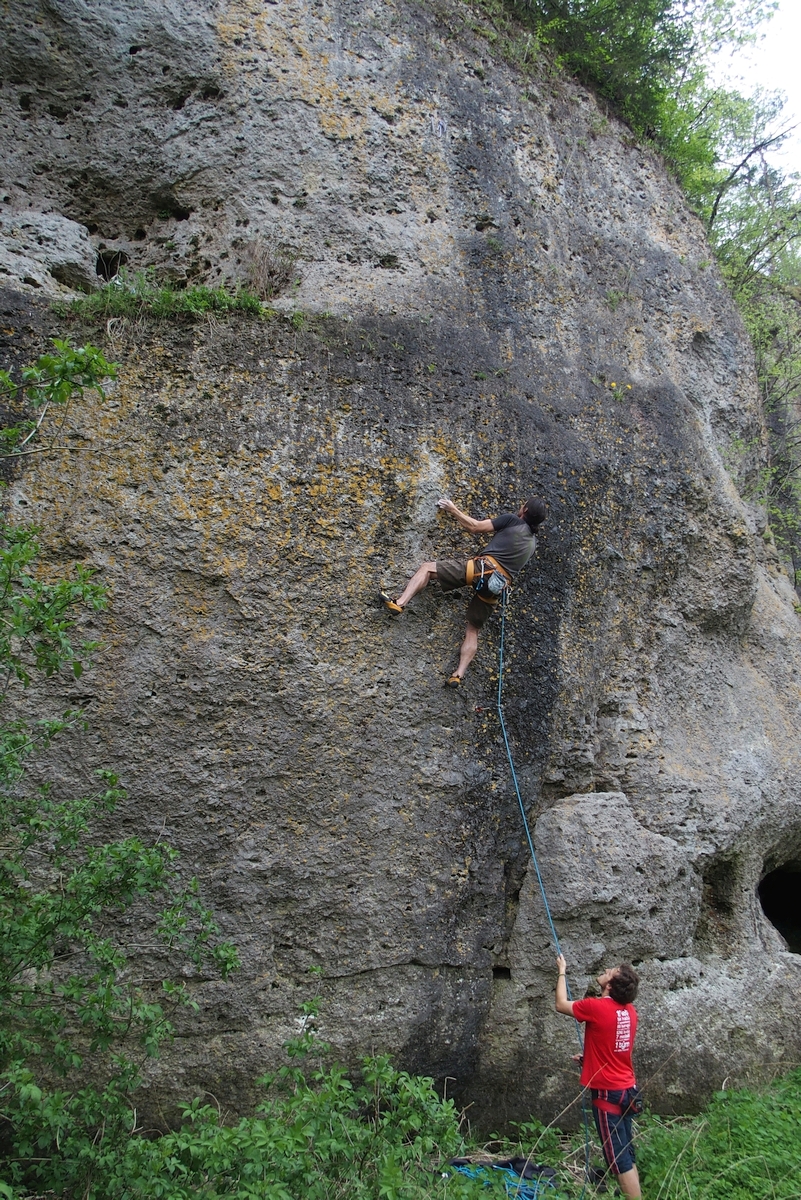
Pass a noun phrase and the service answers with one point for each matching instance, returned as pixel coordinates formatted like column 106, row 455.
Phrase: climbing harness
column 488, row 579
column 631, row 1106
column 546, row 905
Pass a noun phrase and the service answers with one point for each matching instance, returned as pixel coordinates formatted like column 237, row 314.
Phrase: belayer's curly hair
column 536, row 512
column 623, row 988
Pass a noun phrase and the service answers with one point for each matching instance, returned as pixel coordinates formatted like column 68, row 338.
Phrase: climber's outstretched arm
column 468, row 523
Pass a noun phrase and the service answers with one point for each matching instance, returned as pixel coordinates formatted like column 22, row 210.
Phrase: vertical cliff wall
column 498, row 293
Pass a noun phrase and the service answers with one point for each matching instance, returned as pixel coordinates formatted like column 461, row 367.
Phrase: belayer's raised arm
column 610, row 1026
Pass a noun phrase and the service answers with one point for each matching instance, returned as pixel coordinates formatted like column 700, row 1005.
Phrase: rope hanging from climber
column 605, row 1056
column 605, row 1052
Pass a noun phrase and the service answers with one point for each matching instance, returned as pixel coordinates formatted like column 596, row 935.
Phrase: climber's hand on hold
column 462, row 518
column 561, row 964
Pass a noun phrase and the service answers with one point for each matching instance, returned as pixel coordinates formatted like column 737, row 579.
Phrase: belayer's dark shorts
column 614, row 1132
column 452, row 574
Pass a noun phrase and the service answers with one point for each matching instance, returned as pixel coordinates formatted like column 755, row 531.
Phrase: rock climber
column 606, row 1069
column 489, row 573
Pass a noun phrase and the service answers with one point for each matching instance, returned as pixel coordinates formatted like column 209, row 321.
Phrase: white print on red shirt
column 623, row 1031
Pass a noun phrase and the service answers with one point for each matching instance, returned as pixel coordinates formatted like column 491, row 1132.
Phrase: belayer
column 489, row 573
column 610, row 1024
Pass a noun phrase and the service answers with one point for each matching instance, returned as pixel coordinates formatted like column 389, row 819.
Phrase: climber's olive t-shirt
column 513, row 542
column 608, row 1040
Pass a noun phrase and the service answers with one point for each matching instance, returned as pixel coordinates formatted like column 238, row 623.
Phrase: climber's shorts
column 452, row 574
column 614, row 1132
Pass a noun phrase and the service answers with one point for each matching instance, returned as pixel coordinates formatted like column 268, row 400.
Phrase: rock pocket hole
column 501, row 972
column 108, row 263
column 717, row 922
column 780, row 896
column 167, row 207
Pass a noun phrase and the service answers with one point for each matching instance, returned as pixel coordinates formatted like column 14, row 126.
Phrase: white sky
column 773, row 63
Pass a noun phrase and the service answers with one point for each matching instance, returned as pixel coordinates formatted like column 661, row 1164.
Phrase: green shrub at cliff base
column 47, row 389
column 70, row 1010
column 317, row 1135
column 744, row 1146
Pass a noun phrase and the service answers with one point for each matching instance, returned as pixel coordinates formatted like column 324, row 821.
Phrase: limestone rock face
column 46, row 251
column 496, row 294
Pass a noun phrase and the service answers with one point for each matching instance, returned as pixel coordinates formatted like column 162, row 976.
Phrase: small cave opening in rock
column 109, row 262
column 780, row 896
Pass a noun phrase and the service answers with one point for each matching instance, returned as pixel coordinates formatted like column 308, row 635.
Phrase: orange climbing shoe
column 390, row 605
column 454, row 680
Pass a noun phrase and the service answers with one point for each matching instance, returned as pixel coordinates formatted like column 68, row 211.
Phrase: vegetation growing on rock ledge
column 139, row 295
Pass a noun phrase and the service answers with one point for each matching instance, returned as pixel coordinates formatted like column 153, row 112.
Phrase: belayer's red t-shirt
column 608, row 1038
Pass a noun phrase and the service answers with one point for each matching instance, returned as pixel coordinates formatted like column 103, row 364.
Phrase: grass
column 744, row 1146
column 388, row 1135
column 138, row 295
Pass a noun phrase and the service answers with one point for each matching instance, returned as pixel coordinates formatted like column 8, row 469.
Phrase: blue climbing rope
column 499, row 706
column 515, row 1186
column 546, row 905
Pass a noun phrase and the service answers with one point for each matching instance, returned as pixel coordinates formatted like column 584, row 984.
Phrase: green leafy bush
column 322, row 1137
column 75, row 1024
column 628, row 50
column 51, row 384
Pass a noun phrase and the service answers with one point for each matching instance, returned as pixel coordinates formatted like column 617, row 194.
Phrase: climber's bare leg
column 421, row 579
column 468, row 650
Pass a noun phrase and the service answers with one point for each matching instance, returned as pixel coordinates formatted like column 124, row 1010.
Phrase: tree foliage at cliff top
column 635, row 52
column 647, row 59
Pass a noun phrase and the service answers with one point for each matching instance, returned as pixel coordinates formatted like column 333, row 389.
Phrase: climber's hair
column 623, row 988
column 536, row 512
